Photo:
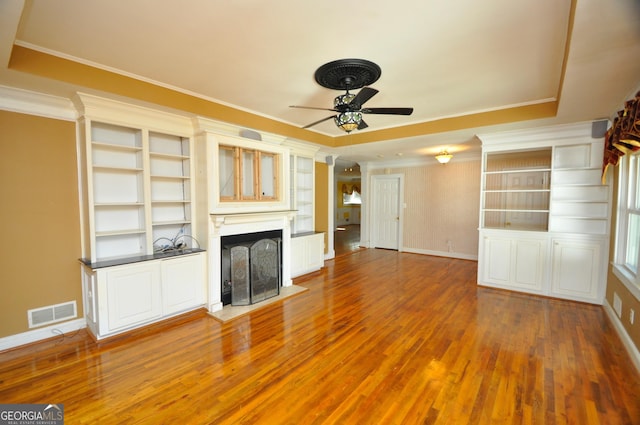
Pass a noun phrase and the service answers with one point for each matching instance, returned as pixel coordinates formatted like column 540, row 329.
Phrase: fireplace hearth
column 251, row 267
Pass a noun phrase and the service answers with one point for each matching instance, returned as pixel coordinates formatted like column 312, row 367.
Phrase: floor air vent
column 52, row 314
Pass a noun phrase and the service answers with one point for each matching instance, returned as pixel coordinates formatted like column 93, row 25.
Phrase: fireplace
column 231, row 227
column 251, row 267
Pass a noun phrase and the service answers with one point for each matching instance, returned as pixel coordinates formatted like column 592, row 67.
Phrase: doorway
column 386, row 217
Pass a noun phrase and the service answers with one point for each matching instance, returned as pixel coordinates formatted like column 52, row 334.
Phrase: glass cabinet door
column 226, row 172
column 268, row 168
column 248, row 174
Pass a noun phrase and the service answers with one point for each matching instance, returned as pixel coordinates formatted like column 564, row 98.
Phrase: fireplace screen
column 254, row 271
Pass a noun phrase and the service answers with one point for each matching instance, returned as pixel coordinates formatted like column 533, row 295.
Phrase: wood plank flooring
column 380, row 337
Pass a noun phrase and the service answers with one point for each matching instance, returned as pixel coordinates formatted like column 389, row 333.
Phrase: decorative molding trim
column 458, row 255
column 252, row 217
column 41, row 334
column 560, row 134
column 33, row 103
column 116, row 112
column 201, row 124
column 426, row 160
column 632, row 350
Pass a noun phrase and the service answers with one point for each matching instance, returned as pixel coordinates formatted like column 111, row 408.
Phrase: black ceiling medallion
column 348, row 74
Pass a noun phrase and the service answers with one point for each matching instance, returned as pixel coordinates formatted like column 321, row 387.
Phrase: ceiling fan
column 351, row 74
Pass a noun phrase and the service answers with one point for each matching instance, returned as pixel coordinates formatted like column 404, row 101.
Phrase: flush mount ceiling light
column 443, row 157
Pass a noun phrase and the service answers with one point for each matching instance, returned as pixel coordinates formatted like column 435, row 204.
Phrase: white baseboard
column 41, row 333
column 624, row 336
column 442, row 254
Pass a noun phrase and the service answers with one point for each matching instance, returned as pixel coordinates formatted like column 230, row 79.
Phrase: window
column 247, row 174
column 628, row 235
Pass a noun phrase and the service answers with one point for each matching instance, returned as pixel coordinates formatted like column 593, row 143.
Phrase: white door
column 386, row 211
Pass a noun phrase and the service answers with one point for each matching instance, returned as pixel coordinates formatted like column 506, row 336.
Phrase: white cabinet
column 544, row 213
column 577, row 268
column 307, row 253
column 182, row 284
column 123, row 297
column 509, row 262
column 132, row 294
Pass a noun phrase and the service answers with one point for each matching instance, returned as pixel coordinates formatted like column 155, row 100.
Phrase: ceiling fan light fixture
column 343, row 99
column 443, row 157
column 348, row 121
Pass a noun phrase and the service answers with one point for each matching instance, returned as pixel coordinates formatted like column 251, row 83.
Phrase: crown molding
column 117, row 112
column 33, row 103
column 202, row 124
column 563, row 133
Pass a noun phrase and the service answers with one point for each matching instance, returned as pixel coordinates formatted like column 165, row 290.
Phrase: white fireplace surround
column 238, row 224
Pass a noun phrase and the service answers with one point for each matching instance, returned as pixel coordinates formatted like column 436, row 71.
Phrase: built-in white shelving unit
column 170, row 184
column 141, row 261
column 544, row 214
column 516, row 189
column 302, row 193
column 138, row 184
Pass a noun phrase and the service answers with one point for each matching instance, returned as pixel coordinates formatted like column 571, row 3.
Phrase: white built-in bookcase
column 302, row 194
column 138, row 180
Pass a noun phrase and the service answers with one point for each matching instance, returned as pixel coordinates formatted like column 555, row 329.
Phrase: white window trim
column 631, row 282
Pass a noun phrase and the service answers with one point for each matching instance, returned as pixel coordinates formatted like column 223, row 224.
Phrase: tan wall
column 443, row 203
column 39, row 218
column 614, row 286
column 322, row 202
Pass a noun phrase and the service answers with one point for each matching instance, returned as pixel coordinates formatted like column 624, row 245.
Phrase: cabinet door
column 182, row 283
column 298, row 256
column 576, row 270
column 514, row 263
column 133, row 295
column 496, row 261
column 307, row 254
column 316, row 251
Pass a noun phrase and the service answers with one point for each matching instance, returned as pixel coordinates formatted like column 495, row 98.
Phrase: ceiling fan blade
column 363, row 95
column 319, row 121
column 389, row 111
column 362, row 125
column 312, row 107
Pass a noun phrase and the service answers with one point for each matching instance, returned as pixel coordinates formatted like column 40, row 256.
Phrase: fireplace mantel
column 219, row 220
column 236, row 223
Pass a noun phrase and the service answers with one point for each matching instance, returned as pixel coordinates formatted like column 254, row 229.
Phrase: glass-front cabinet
column 246, row 174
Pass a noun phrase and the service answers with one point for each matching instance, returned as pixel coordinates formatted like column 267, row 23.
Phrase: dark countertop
column 297, row 235
column 139, row 258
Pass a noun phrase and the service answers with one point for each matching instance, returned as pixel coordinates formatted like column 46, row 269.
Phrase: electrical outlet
column 632, row 316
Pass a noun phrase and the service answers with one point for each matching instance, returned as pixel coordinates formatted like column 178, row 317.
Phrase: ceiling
column 466, row 67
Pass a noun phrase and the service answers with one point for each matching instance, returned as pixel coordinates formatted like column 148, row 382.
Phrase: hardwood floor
column 346, row 239
column 380, row 337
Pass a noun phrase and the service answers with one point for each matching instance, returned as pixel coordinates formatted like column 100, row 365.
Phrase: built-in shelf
column 544, row 219
column 138, row 186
